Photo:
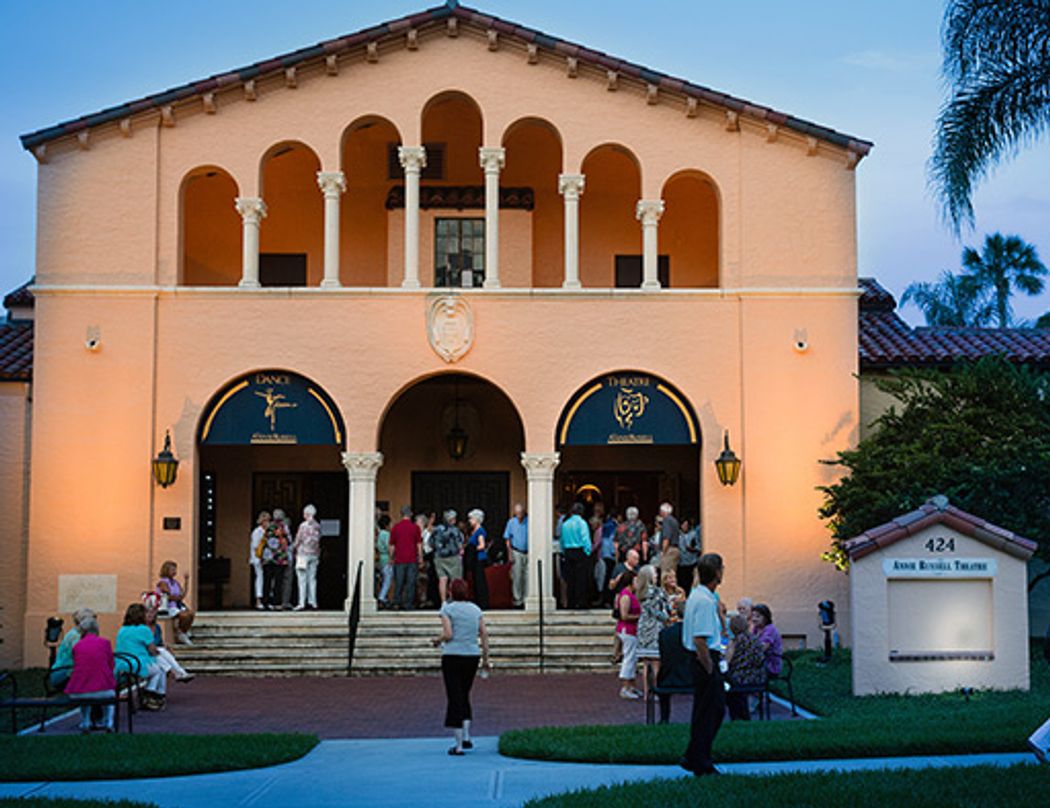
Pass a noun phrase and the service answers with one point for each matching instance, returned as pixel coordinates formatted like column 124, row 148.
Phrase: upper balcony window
column 459, row 252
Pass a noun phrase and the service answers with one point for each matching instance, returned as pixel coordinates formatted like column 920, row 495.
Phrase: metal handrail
column 539, row 584
column 354, row 618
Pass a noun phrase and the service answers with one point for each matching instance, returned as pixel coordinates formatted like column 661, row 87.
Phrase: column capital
column 412, row 158
column 362, row 466
column 332, row 183
column 492, row 159
column 540, row 465
column 251, row 208
column 649, row 211
column 571, row 185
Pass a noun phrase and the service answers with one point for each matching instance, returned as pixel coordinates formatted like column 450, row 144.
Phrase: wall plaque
column 97, row 592
column 450, row 327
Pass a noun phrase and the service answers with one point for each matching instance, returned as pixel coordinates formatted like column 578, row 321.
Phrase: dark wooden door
column 328, row 492
column 464, row 491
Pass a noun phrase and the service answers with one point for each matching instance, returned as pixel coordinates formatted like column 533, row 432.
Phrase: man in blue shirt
column 516, row 534
column 576, row 550
column 702, row 635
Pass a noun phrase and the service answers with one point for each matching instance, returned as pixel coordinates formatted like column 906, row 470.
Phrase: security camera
column 801, row 340
column 93, row 343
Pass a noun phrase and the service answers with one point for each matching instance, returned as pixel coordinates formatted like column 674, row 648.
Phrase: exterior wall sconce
column 728, row 465
column 165, row 464
column 456, row 439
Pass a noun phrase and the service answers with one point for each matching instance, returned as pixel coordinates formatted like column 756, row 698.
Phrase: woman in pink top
column 92, row 674
column 629, row 610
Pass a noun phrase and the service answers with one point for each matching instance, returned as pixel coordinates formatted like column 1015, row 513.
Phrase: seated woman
column 675, row 593
column 169, row 587
column 62, row 667
column 165, row 658
column 762, row 627
column 92, row 674
column 135, row 639
column 746, row 658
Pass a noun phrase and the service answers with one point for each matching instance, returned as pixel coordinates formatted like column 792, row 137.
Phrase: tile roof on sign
column 451, row 9
column 21, row 296
column 16, row 351
column 939, row 510
column 886, row 341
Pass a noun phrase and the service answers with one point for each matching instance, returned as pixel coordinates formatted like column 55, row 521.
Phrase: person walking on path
column 576, row 549
column 307, row 556
column 462, row 624
column 517, row 536
column 406, row 545
column 448, row 553
column 702, row 636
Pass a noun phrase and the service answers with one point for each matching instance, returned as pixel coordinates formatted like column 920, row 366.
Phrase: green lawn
column 932, row 788
column 98, row 757
column 873, row 726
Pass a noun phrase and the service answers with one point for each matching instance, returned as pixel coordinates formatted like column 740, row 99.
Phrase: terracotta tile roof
column 886, row 341
column 20, row 296
column 16, row 351
column 939, row 511
column 438, row 15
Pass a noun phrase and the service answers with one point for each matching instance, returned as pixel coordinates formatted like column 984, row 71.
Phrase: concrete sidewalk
column 411, row 773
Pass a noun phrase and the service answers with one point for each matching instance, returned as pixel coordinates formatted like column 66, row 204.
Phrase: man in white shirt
column 702, row 635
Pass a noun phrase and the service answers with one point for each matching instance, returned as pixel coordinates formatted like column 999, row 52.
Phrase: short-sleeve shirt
column 465, row 618
column 748, row 666
column 517, row 532
column 135, row 641
column 475, row 541
column 701, row 620
column 383, row 546
column 770, row 639
column 64, row 654
column 405, row 539
column 669, row 531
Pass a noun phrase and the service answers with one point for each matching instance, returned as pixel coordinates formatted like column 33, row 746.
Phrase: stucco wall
column 870, row 610
column 14, row 426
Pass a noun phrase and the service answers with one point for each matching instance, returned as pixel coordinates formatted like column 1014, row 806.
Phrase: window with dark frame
column 628, row 270
column 459, row 252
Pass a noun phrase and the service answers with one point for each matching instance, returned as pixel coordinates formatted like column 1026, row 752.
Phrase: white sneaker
column 633, row 695
column 183, row 639
column 298, row 608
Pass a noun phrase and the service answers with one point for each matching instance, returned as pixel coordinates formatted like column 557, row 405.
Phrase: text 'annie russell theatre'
column 444, row 261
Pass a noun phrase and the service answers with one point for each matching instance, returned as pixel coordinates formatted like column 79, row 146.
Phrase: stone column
column 539, row 470
column 492, row 160
column 570, row 186
column 332, row 185
column 362, row 468
column 649, row 212
column 253, row 211
column 413, row 160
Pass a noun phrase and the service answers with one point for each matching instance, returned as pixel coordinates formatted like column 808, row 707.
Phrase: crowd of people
column 87, row 665
column 273, row 552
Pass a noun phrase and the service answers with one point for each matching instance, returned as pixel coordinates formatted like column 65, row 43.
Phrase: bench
column 126, row 680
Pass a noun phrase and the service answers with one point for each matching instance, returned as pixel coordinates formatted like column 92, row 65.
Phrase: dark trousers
column 480, row 583
column 273, row 583
column 709, row 707
column 577, row 566
column 433, row 595
column 739, row 709
column 665, row 707
column 405, row 585
column 458, row 673
column 684, row 576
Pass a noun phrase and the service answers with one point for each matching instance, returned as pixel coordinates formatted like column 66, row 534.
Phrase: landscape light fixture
column 728, row 465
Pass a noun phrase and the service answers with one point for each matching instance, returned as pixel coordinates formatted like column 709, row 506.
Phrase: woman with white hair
column 632, row 535
column 448, row 552
column 92, row 675
column 476, row 556
column 307, row 549
column 63, row 664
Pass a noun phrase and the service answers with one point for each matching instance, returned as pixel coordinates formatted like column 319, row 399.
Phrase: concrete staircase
column 388, row 643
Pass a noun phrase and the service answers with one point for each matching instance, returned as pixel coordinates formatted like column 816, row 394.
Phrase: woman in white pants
column 255, row 557
column 307, row 556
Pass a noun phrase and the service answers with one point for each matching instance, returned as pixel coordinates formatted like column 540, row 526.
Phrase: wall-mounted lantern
column 728, row 465
column 456, row 439
column 165, row 464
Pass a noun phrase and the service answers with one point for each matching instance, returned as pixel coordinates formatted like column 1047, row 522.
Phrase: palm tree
column 953, row 300
column 997, row 66
column 1004, row 264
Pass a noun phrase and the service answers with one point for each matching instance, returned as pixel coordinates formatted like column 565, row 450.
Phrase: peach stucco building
column 443, row 222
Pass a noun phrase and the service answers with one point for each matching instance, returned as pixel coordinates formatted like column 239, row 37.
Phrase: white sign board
column 95, row 592
column 939, row 567
column 329, row 527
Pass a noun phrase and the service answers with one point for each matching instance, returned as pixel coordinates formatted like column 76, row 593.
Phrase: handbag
column 301, row 561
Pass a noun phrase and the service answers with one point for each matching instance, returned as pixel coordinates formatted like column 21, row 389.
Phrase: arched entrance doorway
column 454, row 441
column 629, row 439
column 268, row 440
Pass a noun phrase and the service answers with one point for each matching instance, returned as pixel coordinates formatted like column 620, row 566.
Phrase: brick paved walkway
column 392, row 707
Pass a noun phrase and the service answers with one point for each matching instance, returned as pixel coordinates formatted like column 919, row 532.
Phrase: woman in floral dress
column 657, row 613
column 274, row 563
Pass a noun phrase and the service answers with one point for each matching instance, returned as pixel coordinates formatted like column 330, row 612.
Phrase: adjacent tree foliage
column 1044, row 321
column 980, row 294
column 979, row 433
column 997, row 67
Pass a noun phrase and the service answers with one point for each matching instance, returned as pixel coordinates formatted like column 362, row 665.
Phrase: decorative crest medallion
column 450, row 327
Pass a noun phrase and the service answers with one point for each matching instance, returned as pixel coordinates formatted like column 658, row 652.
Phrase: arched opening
column 610, row 235
column 371, row 168
column 689, row 230
column 211, row 228
column 630, row 439
column 291, row 237
column 420, row 434
column 534, row 161
column 452, row 199
column 268, row 440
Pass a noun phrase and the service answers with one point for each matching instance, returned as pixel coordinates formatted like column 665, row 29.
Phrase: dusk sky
column 867, row 68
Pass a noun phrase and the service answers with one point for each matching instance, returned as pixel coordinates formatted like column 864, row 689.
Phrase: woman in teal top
column 62, row 669
column 135, row 639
